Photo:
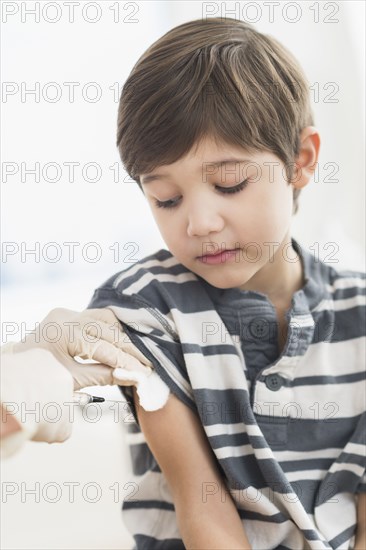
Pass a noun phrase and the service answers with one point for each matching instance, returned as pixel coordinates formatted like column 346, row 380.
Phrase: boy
column 261, row 442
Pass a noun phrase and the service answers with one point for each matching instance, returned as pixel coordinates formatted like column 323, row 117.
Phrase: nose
column 204, row 219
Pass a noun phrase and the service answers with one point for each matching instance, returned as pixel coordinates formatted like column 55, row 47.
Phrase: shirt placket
column 272, row 405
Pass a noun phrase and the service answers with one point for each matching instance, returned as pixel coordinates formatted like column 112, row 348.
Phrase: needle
column 83, row 398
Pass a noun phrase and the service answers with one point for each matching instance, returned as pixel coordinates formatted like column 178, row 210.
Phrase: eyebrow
column 219, row 163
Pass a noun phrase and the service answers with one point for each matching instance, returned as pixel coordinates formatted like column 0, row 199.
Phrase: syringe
column 83, row 398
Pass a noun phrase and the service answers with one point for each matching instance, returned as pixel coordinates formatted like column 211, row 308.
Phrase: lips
column 218, row 253
column 222, row 257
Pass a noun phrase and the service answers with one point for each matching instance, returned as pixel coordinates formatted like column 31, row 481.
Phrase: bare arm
column 9, row 424
column 179, row 444
column 360, row 543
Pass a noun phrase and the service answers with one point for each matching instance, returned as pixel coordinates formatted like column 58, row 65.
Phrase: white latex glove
column 42, row 370
column 93, row 334
column 34, row 390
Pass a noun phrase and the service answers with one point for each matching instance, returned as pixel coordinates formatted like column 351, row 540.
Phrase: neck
column 280, row 277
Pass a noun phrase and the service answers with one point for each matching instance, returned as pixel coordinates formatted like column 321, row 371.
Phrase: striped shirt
column 287, row 429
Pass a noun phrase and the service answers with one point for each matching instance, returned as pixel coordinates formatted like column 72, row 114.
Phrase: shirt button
column 259, row 328
column 274, row 382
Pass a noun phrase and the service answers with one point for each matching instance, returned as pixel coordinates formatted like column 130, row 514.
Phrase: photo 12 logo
column 288, row 12
column 70, row 12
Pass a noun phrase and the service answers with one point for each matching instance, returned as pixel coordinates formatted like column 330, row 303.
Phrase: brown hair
column 215, row 77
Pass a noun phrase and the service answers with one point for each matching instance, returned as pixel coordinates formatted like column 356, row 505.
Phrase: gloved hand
column 34, row 390
column 41, row 372
column 93, row 334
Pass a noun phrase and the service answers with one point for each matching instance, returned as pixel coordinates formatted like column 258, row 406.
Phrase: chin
column 223, row 284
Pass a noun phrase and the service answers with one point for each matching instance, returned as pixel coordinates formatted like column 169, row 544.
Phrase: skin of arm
column 9, row 425
column 360, row 543
column 178, row 441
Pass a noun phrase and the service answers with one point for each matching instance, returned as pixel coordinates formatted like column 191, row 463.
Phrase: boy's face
column 255, row 220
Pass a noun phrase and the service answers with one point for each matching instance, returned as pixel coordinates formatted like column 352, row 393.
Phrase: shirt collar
column 303, row 300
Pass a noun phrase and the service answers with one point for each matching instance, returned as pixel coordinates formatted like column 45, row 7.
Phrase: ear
column 306, row 161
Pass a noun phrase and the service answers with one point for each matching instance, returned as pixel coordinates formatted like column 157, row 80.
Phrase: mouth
column 218, row 253
column 219, row 257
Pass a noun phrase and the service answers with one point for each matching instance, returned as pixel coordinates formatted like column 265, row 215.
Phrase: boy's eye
column 225, row 190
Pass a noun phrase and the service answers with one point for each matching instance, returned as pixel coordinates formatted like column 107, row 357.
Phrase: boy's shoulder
column 341, row 281
column 158, row 279
column 343, row 299
column 160, row 262
column 331, row 279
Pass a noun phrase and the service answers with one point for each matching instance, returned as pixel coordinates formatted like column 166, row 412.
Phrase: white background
column 328, row 40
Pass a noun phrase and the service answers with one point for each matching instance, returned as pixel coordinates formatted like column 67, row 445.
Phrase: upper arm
column 206, row 514
column 177, row 440
column 360, row 540
column 361, row 511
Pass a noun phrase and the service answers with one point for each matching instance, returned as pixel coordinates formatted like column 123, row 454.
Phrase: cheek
column 274, row 195
column 169, row 229
column 282, row 201
column 162, row 223
column 262, row 211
